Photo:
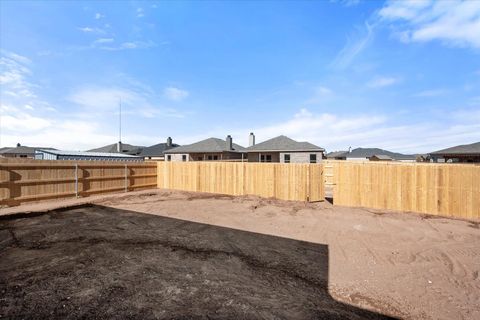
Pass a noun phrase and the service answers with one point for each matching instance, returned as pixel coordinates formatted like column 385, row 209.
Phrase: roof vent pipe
column 229, row 142
column 119, row 146
column 169, row 142
column 251, row 139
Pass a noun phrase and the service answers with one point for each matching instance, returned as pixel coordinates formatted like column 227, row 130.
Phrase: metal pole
column 76, row 180
column 126, row 179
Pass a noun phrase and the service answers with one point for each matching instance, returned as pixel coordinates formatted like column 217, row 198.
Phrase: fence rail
column 33, row 180
column 301, row 182
column 438, row 189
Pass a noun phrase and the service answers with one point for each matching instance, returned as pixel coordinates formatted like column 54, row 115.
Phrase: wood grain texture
column 23, row 180
column 451, row 190
column 300, row 182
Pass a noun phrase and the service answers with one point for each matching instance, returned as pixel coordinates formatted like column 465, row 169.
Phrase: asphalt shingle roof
column 368, row 152
column 156, row 150
column 207, row 145
column 337, row 154
column 473, row 148
column 126, row 148
column 88, row 153
column 283, row 143
column 382, row 157
column 23, row 149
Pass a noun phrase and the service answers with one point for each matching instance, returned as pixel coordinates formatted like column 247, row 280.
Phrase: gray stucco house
column 212, row 149
column 284, row 150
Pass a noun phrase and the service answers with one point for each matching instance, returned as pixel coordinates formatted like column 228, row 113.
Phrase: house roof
column 157, row 150
column 283, row 143
column 87, row 153
column 473, row 148
column 337, row 154
column 368, row 152
column 126, row 149
column 207, row 145
column 23, row 150
column 382, row 157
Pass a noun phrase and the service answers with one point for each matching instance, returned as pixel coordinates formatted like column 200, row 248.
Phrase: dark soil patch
column 99, row 262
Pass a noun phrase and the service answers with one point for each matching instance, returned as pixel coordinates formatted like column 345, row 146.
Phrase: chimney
column 119, row 146
column 18, row 144
column 229, row 142
column 169, row 142
column 251, row 139
column 349, row 149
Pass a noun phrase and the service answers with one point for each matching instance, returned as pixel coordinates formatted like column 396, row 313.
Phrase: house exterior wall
column 295, row 157
column 205, row 156
column 255, row 156
column 300, row 157
column 19, row 155
column 357, row 159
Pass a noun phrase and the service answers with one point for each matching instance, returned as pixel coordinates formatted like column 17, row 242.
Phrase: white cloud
column 136, row 100
column 91, row 30
column 104, row 40
column 455, row 23
column 380, row 82
column 175, row 94
column 354, row 46
column 98, row 15
column 14, row 119
column 107, row 45
column 140, row 13
column 14, row 73
column 320, row 94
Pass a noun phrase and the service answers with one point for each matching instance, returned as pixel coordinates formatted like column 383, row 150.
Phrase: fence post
column 76, row 180
column 126, row 178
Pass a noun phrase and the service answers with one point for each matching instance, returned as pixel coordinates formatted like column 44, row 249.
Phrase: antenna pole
column 120, row 120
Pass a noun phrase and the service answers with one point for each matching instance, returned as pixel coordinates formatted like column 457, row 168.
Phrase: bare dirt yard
column 176, row 255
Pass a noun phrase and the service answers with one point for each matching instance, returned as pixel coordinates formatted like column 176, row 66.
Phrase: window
column 199, row 158
column 215, row 157
column 169, row 158
column 313, row 158
column 286, row 158
column 184, row 157
column 23, row 156
column 266, row 158
column 210, row 158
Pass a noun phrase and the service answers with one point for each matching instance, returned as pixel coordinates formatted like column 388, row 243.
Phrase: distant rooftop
column 22, row 149
column 369, row 152
column 126, row 149
column 207, row 145
column 157, row 150
column 87, row 153
column 283, row 143
column 473, row 148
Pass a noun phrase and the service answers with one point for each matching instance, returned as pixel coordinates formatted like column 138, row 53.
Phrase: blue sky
column 403, row 76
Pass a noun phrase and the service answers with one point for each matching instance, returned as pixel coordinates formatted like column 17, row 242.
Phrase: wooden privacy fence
column 302, row 182
column 33, row 180
column 438, row 189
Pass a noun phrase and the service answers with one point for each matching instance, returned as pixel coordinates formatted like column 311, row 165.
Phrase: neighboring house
column 207, row 150
column 21, row 151
column 157, row 151
column 41, row 154
column 120, row 147
column 337, row 155
column 285, row 150
column 380, row 157
column 364, row 154
column 469, row 153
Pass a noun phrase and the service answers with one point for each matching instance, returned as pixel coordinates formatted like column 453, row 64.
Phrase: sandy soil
column 318, row 261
